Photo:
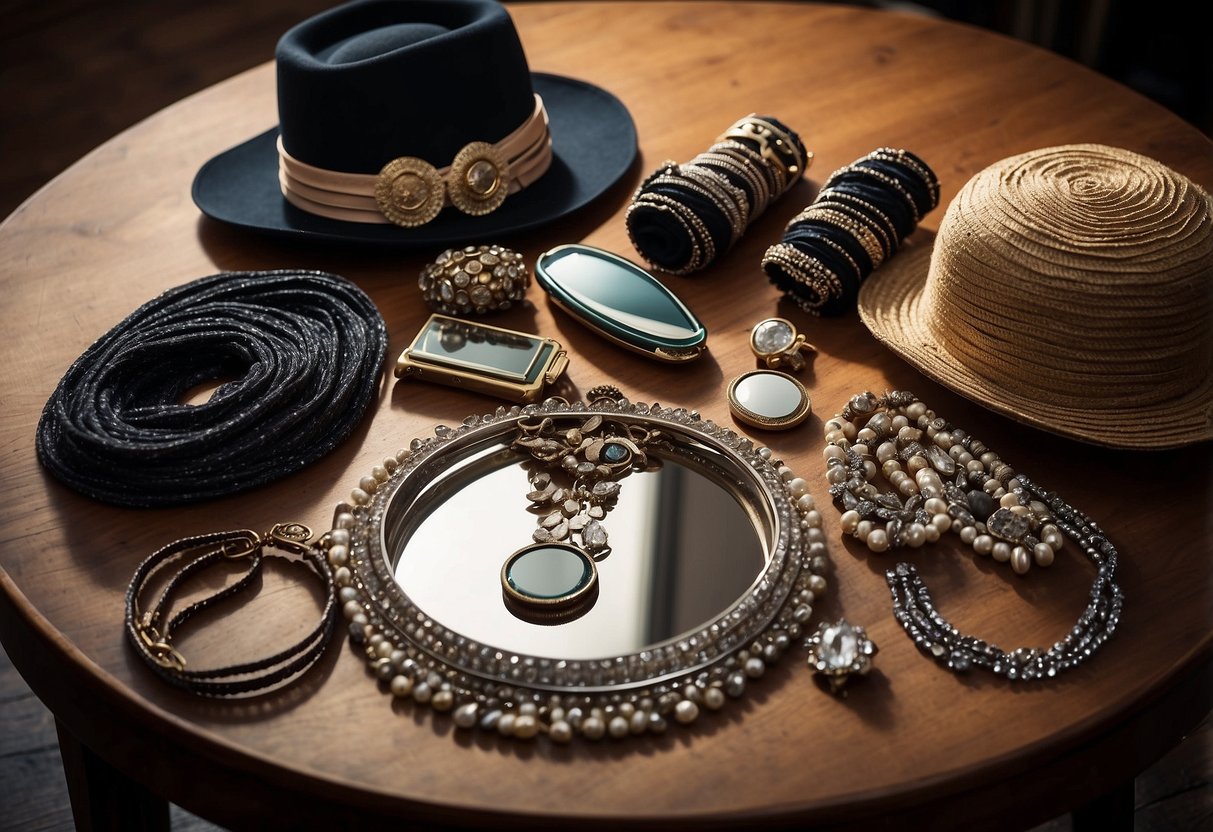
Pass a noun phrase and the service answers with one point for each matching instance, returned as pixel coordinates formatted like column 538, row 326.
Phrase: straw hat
column 1070, row 288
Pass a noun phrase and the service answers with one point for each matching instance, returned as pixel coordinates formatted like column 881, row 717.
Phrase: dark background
column 1155, row 48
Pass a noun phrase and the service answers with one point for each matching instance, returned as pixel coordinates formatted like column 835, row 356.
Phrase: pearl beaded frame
column 898, row 421
column 521, row 696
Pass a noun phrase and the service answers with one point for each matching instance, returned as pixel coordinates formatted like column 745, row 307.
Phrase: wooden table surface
column 911, row 744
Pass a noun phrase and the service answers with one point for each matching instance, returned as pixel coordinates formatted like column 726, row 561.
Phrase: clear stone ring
column 776, row 343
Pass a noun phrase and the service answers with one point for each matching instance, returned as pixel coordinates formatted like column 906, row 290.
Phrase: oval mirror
column 620, row 300
column 707, row 557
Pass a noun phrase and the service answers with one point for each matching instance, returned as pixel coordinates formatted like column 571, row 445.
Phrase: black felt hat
column 371, row 81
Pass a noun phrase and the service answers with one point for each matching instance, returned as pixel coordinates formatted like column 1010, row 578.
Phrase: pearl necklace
column 947, row 480
column 914, row 449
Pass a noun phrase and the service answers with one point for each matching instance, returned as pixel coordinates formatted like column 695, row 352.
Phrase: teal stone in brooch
column 621, row 301
column 615, row 452
column 549, row 582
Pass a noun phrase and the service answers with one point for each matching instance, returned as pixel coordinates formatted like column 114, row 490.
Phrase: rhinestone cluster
column 839, row 651
column 474, row 280
column 991, row 507
column 522, row 696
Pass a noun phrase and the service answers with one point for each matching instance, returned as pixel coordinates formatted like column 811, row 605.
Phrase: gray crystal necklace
column 946, row 480
column 574, row 474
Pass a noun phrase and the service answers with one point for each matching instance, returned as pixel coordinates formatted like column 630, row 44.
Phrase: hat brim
column 593, row 146
column 891, row 306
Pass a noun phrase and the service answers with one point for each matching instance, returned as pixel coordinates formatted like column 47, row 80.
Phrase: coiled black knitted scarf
column 303, row 349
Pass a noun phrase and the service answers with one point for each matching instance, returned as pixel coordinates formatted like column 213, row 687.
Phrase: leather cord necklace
column 304, row 348
column 151, row 630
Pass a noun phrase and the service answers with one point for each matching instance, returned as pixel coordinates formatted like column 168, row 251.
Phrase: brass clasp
column 161, row 651
column 240, row 544
column 290, row 537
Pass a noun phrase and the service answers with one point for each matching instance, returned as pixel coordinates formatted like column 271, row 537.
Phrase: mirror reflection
column 616, row 290
column 685, row 545
column 769, row 394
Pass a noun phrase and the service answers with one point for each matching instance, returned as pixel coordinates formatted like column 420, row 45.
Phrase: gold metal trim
column 788, row 358
column 774, row 145
column 478, row 181
column 410, row 191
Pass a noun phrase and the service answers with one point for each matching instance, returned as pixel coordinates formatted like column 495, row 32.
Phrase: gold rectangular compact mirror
column 486, row 359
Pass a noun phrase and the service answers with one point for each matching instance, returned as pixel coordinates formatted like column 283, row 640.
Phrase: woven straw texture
column 1069, row 287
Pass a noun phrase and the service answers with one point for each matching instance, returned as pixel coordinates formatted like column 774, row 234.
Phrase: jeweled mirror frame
column 522, row 696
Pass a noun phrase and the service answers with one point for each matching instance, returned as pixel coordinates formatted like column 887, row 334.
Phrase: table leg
column 104, row 798
column 1109, row 813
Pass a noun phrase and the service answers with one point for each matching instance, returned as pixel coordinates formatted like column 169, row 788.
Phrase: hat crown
column 374, row 80
column 1079, row 276
column 369, row 45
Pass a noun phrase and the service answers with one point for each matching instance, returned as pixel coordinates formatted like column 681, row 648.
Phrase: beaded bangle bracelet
column 726, row 198
column 701, row 249
column 805, row 280
column 866, row 213
column 835, row 239
column 733, row 196
column 948, row 480
column 891, row 182
column 743, row 169
column 858, row 219
column 724, row 188
column 892, row 212
column 773, row 178
column 907, row 159
column 859, row 230
column 776, row 177
column 720, row 203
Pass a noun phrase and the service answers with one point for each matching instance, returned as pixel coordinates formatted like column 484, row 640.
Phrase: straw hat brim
column 891, row 305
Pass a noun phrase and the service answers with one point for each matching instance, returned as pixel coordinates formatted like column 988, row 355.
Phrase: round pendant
column 769, row 399
column 549, row 582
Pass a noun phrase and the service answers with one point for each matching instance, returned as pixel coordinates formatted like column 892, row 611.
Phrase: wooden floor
column 75, row 72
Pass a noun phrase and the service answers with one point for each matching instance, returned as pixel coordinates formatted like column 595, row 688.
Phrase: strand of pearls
column 990, row 507
column 981, row 499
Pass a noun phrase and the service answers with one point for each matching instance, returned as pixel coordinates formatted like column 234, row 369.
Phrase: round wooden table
column 912, row 744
